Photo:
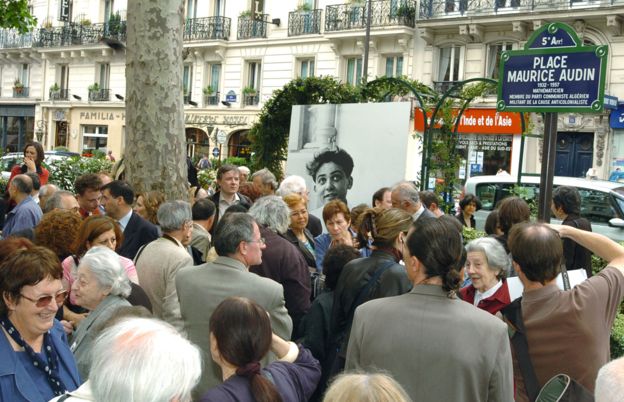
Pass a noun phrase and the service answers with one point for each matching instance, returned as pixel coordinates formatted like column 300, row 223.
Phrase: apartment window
column 191, row 9
column 108, row 9
column 219, row 9
column 394, row 66
column 214, row 77
column 94, row 137
column 450, row 66
column 493, row 58
column 354, row 70
column 306, row 68
column 104, row 75
column 253, row 74
column 187, row 79
column 24, row 74
column 63, row 76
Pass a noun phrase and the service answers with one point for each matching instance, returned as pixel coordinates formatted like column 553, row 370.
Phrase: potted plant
column 250, row 91
column 208, row 90
column 114, row 24
column 85, row 22
column 47, row 24
column 18, row 87
column 95, row 87
column 406, row 12
column 246, row 14
column 55, row 91
column 304, row 7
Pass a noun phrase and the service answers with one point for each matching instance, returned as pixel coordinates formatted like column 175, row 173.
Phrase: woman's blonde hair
column 383, row 225
column 365, row 388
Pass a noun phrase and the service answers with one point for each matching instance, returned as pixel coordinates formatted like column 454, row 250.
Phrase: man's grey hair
column 23, row 184
column 272, row 212
column 292, row 185
column 610, row 382
column 56, row 200
column 143, row 359
column 232, row 229
column 244, row 170
column 173, row 215
column 267, row 177
column 497, row 257
column 406, row 191
column 106, row 267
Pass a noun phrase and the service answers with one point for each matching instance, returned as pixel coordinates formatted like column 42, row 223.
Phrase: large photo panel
column 348, row 151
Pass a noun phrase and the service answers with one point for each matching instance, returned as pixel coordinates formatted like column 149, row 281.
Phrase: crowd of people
column 242, row 295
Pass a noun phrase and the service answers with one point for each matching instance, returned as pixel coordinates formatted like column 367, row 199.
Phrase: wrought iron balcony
column 304, row 22
column 209, row 28
column 249, row 28
column 11, row 39
column 433, row 9
column 251, row 100
column 340, row 17
column 99, row 95
column 211, row 100
column 76, row 34
column 21, row 92
column 59, row 94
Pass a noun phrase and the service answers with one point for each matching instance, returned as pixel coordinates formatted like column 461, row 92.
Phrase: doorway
column 574, row 154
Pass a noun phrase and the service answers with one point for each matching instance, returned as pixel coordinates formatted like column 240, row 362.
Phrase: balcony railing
column 21, row 92
column 209, row 28
column 59, row 94
column 251, row 100
column 211, row 100
column 76, row 34
column 99, row 95
column 249, row 28
column 304, row 22
column 340, row 17
column 187, row 98
column 431, row 9
column 12, row 39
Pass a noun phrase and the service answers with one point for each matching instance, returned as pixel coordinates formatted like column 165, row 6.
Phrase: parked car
column 602, row 202
column 16, row 158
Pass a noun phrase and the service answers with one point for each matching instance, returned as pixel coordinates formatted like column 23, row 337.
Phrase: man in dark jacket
column 228, row 179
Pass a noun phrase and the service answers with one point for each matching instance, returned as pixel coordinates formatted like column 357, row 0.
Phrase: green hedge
column 64, row 172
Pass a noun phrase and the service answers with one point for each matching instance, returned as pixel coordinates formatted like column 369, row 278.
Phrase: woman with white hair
column 101, row 287
column 487, row 263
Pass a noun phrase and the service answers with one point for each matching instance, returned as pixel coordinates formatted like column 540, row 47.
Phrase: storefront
column 222, row 134
column 17, row 126
column 616, row 122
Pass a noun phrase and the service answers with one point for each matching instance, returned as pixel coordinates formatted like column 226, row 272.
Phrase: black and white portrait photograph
column 349, row 151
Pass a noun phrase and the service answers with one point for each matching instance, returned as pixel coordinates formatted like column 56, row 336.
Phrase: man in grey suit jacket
column 201, row 288
column 405, row 196
column 436, row 346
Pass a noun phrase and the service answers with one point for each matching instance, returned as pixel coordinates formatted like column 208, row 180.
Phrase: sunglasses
column 44, row 301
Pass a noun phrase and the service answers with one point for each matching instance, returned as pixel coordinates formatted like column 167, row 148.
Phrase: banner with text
column 478, row 121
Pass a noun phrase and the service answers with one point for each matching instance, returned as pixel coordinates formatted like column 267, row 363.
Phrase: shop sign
column 553, row 73
column 500, row 143
column 102, row 116
column 222, row 120
column 616, row 119
column 479, row 121
column 63, row 10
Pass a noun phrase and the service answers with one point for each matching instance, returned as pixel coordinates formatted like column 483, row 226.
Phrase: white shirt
column 223, row 204
column 417, row 214
column 481, row 296
column 123, row 222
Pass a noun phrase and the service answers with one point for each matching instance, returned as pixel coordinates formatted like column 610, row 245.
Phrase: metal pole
column 549, row 152
column 366, row 41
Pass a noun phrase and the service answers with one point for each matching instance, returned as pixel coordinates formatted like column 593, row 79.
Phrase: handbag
column 561, row 387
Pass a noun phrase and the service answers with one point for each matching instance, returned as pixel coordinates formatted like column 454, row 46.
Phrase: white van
column 602, row 202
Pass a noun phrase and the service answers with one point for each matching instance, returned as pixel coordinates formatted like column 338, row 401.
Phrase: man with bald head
column 405, row 196
column 26, row 213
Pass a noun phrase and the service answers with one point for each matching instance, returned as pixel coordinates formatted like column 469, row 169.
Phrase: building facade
column 64, row 83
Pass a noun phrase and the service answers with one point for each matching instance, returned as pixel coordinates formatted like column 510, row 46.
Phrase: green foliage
column 235, row 160
column 528, row 196
column 3, row 184
column 206, row 177
column 94, row 87
column 17, row 83
column 249, row 91
column 208, row 90
column 64, row 172
column 617, row 337
column 15, row 14
column 55, row 87
column 470, row 234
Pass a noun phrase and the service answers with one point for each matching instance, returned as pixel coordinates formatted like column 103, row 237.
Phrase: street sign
column 230, row 96
column 554, row 73
column 215, row 152
column 221, row 137
column 610, row 102
column 616, row 119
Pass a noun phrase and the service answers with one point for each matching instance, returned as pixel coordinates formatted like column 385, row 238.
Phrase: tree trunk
column 155, row 148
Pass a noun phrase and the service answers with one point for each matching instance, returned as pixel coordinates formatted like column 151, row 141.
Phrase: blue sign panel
column 554, row 73
column 610, row 102
column 215, row 152
column 230, row 96
column 616, row 119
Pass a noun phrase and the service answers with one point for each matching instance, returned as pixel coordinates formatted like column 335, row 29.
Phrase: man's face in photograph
column 332, row 182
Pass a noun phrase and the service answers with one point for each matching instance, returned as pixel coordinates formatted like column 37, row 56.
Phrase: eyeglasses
column 44, row 301
column 259, row 241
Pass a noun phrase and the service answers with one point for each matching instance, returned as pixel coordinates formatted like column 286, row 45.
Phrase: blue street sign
column 215, row 152
column 610, row 102
column 230, row 96
column 616, row 119
column 554, row 73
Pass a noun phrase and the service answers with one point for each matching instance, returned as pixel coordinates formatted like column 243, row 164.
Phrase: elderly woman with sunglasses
column 101, row 286
column 35, row 361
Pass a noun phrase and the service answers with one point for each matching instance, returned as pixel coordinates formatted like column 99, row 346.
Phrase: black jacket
column 309, row 257
column 244, row 200
column 138, row 232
